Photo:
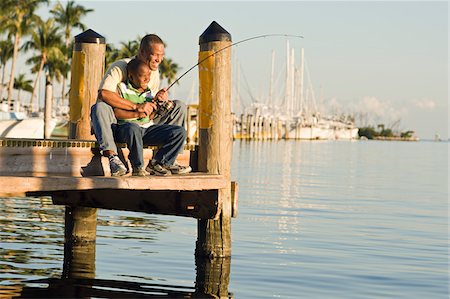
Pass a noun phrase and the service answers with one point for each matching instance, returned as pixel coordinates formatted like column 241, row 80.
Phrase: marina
column 331, row 219
column 297, row 178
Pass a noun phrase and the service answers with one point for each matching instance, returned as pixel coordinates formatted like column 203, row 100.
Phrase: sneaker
column 140, row 171
column 116, row 166
column 154, row 168
column 179, row 169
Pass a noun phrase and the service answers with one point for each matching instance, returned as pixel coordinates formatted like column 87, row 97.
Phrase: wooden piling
column 88, row 65
column 87, row 70
column 215, row 142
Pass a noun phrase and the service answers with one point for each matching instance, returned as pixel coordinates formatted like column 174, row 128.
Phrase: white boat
column 298, row 108
column 19, row 125
column 309, row 121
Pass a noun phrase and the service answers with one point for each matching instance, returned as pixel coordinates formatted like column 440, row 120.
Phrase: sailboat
column 307, row 121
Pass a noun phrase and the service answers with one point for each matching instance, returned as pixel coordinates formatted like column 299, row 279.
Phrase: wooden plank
column 25, row 185
column 204, row 204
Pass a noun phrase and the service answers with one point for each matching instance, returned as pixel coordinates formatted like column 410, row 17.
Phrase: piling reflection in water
column 36, row 263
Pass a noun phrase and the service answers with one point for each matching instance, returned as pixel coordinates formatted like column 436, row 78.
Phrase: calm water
column 316, row 220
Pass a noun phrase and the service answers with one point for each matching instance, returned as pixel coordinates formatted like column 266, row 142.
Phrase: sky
column 386, row 60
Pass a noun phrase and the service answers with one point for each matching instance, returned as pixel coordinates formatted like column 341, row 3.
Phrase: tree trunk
column 63, row 89
column 41, row 66
column 64, row 77
column 13, row 66
column 3, row 81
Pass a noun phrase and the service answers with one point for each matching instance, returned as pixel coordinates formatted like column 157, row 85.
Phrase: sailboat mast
column 287, row 93
column 271, row 80
column 301, row 79
column 239, row 107
column 292, row 108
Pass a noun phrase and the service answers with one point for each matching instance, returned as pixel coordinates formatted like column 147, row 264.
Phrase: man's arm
column 114, row 100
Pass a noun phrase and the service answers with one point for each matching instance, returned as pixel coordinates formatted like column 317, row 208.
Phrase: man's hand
column 162, row 95
column 147, row 108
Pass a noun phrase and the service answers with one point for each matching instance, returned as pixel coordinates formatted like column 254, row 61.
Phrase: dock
column 74, row 174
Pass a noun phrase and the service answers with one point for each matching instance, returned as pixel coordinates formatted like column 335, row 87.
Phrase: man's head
column 138, row 73
column 151, row 51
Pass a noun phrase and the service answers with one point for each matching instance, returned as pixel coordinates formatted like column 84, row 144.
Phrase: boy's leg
column 131, row 134
column 176, row 117
column 102, row 118
column 170, row 139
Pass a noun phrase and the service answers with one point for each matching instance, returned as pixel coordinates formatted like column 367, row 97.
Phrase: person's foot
column 155, row 168
column 116, row 166
column 140, row 171
column 179, row 169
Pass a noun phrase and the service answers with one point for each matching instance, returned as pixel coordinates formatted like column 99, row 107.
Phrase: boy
column 140, row 131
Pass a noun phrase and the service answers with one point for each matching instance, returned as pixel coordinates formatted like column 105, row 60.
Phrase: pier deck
column 74, row 174
column 193, row 195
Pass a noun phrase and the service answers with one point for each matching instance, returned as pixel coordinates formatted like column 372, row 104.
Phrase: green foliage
column 368, row 132
column 20, row 83
column 6, row 51
column 371, row 133
column 168, row 69
column 407, row 134
column 69, row 17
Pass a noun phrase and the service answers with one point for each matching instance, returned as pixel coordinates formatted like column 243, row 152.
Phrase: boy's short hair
column 134, row 64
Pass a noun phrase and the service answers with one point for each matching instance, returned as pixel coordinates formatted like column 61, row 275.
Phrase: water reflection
column 35, row 262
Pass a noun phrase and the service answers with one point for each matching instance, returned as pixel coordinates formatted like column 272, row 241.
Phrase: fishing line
column 234, row 44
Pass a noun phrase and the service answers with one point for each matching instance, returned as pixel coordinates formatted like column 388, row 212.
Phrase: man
column 110, row 104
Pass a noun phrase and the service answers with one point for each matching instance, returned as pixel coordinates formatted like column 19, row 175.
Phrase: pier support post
column 213, row 277
column 287, row 127
column 215, row 142
column 48, row 108
column 88, row 63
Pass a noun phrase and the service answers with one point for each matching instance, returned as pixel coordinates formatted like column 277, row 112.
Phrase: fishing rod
column 234, row 44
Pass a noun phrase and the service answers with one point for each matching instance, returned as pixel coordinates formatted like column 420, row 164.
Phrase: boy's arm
column 126, row 114
column 142, row 110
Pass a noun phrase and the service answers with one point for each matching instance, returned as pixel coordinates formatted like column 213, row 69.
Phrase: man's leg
column 176, row 117
column 131, row 134
column 102, row 117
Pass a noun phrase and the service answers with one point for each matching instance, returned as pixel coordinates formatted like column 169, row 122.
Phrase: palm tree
column 128, row 49
column 69, row 17
column 6, row 53
column 111, row 54
column 47, row 42
column 168, row 69
column 20, row 83
column 17, row 17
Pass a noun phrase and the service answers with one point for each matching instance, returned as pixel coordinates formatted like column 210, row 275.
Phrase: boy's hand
column 162, row 95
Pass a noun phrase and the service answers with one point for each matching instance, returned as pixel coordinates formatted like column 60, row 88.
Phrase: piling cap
column 214, row 33
column 90, row 37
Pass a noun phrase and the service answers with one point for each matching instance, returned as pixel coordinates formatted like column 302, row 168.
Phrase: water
column 316, row 220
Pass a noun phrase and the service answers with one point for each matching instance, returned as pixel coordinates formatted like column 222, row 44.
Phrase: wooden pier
column 74, row 174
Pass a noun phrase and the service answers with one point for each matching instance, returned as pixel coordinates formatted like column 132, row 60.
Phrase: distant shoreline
column 396, row 138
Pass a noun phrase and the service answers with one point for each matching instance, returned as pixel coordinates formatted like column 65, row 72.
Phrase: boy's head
column 138, row 73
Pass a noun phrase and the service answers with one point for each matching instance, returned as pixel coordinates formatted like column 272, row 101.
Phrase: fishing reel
column 164, row 107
